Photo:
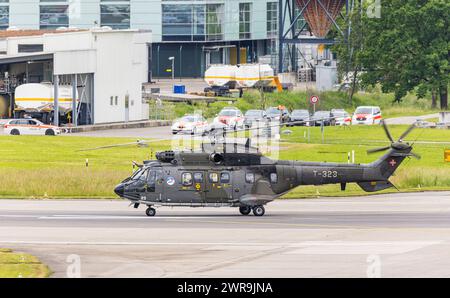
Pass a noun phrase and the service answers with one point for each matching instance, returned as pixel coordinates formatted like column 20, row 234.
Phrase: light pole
column 173, row 66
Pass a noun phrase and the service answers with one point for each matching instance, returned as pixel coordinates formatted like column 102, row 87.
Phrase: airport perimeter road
column 400, row 235
column 408, row 120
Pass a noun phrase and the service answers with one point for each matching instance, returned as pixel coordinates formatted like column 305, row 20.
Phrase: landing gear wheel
column 245, row 210
column 259, row 210
column 150, row 211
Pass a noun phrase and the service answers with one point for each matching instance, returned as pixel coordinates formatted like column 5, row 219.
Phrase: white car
column 341, row 117
column 29, row 127
column 192, row 124
column 367, row 116
column 232, row 118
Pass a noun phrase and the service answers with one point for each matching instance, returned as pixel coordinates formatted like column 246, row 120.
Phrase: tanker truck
column 222, row 78
column 36, row 100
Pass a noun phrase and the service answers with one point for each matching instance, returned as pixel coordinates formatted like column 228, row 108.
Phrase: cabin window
column 225, row 177
column 198, row 177
column 186, row 179
column 250, row 178
column 213, row 177
column 273, row 178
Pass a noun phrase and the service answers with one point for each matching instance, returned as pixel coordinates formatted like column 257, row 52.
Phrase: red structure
column 320, row 14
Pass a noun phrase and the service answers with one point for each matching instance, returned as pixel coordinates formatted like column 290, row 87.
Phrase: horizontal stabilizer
column 375, row 185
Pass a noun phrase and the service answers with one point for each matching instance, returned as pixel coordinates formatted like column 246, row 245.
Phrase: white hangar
column 108, row 68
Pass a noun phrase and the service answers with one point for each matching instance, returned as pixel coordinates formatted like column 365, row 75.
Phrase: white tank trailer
column 254, row 75
column 219, row 75
column 36, row 100
column 241, row 76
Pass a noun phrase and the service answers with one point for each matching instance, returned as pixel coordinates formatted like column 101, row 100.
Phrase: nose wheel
column 150, row 211
column 259, row 210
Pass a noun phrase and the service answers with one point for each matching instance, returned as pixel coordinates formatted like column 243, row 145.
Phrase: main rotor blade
column 371, row 151
column 407, row 132
column 138, row 143
column 388, row 133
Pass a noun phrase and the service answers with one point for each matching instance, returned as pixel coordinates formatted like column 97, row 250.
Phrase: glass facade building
column 196, row 32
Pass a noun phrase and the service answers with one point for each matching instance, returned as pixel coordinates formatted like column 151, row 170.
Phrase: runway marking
column 296, row 248
column 18, row 216
column 359, row 247
column 94, row 217
column 191, row 219
column 300, row 225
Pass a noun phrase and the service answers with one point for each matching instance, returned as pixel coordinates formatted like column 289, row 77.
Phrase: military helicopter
column 233, row 175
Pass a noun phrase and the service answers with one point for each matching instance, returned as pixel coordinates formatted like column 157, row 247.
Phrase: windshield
column 339, row 114
column 188, row 119
column 254, row 113
column 363, row 111
column 140, row 174
column 321, row 114
column 300, row 113
column 228, row 113
column 273, row 111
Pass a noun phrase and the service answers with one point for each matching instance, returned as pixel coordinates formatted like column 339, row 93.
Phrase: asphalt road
column 401, row 235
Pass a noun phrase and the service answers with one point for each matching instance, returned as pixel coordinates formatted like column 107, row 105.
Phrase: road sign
column 314, row 99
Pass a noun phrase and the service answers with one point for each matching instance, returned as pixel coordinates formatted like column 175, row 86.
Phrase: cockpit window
column 186, row 179
column 140, row 174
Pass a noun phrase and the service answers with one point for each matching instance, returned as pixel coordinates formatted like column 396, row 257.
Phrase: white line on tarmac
column 304, row 248
column 64, row 217
column 19, row 216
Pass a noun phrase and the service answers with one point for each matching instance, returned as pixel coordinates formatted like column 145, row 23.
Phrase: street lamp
column 173, row 66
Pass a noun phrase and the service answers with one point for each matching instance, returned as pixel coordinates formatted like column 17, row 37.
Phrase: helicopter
column 233, row 175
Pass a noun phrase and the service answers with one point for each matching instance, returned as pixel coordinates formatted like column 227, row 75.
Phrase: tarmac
column 395, row 235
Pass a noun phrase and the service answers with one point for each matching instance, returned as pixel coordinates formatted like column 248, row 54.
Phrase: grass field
column 51, row 167
column 14, row 265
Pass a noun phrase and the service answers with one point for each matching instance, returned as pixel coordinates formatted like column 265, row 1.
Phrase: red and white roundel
column 314, row 99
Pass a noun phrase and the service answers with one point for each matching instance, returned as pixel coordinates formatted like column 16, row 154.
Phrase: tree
column 349, row 47
column 406, row 50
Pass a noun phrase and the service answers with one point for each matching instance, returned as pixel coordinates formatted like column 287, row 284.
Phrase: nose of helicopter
column 119, row 190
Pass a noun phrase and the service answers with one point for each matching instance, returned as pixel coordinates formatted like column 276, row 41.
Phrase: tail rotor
column 398, row 145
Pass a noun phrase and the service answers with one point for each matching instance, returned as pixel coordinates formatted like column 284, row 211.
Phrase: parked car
column 341, row 117
column 252, row 116
column 231, row 117
column 367, row 116
column 193, row 124
column 279, row 113
column 321, row 116
column 300, row 117
column 30, row 127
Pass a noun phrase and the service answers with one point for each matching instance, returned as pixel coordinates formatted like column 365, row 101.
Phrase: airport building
column 96, row 72
column 196, row 33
